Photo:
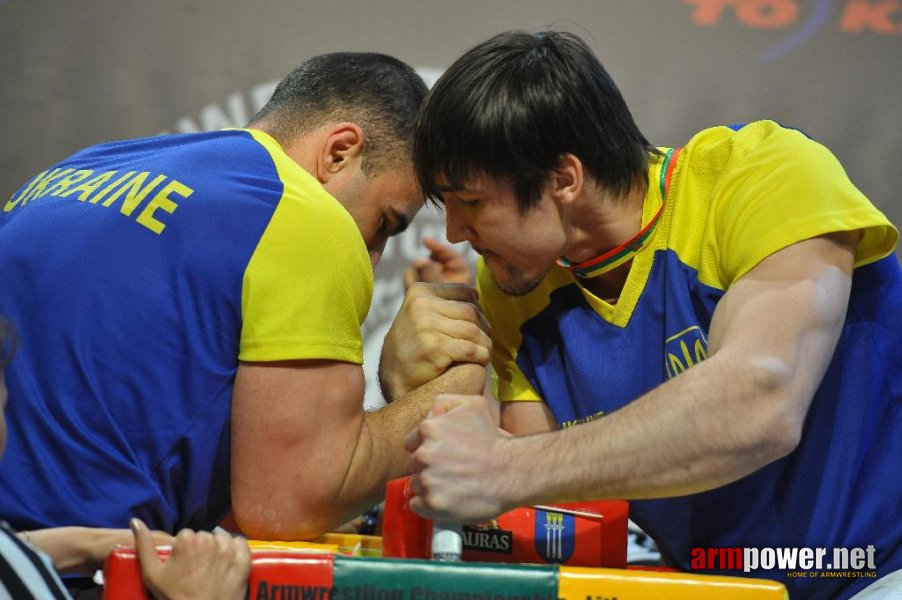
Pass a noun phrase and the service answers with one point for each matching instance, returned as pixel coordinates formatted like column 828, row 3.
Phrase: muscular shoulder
column 757, row 188
column 307, row 289
column 717, row 147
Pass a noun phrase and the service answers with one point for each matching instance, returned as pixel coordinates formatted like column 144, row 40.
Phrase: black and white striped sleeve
column 26, row 573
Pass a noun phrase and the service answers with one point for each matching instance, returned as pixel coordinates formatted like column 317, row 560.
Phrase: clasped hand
column 439, row 324
column 458, row 460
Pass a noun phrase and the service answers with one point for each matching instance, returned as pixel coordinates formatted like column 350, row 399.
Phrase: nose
column 456, row 227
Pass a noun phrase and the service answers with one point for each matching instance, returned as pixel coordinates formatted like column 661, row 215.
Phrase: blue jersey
column 735, row 198
column 138, row 274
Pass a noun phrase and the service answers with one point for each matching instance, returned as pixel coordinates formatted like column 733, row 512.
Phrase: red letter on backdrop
column 873, row 15
column 767, row 14
column 708, row 12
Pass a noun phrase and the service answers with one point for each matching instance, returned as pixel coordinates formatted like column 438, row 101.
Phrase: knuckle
column 416, row 300
column 485, row 340
column 184, row 535
column 427, row 483
column 411, row 466
column 461, row 348
column 439, row 502
column 422, row 456
column 473, row 332
column 439, row 360
column 241, row 550
column 473, row 313
column 428, row 346
column 420, row 292
column 477, row 352
column 429, row 428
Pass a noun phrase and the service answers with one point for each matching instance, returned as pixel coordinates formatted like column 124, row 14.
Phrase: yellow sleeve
column 780, row 188
column 309, row 284
column 508, row 382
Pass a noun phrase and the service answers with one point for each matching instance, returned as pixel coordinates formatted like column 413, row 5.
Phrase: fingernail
column 135, row 525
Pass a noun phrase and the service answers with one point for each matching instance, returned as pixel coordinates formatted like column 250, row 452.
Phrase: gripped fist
column 458, row 465
column 438, row 325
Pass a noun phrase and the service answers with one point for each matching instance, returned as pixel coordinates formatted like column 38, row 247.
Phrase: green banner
column 393, row 579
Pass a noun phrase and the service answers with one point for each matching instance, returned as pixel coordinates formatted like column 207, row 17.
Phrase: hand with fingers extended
column 82, row 550
column 444, row 265
column 458, row 465
column 438, row 325
column 201, row 565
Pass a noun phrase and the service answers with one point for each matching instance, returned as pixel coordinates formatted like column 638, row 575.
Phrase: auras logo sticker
column 800, row 18
column 555, row 537
column 488, row 538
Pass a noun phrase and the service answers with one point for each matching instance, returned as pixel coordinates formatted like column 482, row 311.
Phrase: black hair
column 512, row 106
column 379, row 93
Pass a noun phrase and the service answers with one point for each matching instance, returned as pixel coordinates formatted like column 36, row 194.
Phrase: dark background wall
column 73, row 73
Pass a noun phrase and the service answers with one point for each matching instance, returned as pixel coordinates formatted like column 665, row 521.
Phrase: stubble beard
column 516, row 283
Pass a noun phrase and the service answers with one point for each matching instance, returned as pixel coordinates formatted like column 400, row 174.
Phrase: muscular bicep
column 294, row 428
column 525, row 418
column 783, row 318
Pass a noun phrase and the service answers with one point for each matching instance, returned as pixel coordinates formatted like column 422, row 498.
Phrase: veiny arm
column 526, row 418
column 772, row 336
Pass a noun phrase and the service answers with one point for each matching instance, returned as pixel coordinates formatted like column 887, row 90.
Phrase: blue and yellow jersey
column 138, row 274
column 737, row 195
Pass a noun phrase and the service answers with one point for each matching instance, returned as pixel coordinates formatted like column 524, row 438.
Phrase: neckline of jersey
column 613, row 258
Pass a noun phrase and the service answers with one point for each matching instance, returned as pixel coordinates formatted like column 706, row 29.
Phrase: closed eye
column 395, row 223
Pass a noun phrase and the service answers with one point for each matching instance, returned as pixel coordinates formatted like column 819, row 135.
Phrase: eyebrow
column 460, row 189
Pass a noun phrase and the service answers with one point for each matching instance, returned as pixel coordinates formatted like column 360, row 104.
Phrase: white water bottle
column 447, row 542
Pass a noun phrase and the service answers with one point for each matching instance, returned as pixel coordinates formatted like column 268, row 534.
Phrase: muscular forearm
column 771, row 339
column 727, row 424
column 336, row 457
column 380, row 455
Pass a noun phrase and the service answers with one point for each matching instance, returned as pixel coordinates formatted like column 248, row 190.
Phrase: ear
column 340, row 152
column 566, row 179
